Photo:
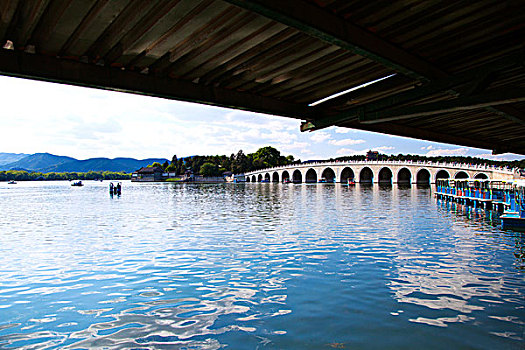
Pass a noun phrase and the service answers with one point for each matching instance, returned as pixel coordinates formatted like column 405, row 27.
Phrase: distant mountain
column 103, row 164
column 6, row 158
column 46, row 163
column 37, row 161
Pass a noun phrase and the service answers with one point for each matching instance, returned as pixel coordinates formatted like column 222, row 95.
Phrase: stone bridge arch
column 461, row 174
column 329, row 174
column 366, row 175
column 423, row 176
column 347, row 173
column 385, row 175
column 481, row 176
column 442, row 174
column 403, row 176
column 310, row 176
column 297, row 176
column 285, row 175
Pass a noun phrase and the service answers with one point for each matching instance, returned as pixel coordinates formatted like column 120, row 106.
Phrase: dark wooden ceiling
column 457, row 67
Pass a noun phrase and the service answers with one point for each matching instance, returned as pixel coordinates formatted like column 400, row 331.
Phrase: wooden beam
column 45, row 68
column 86, row 21
column 28, row 19
column 487, row 99
column 48, row 22
column 330, row 28
column 7, row 12
column 395, row 84
column 441, row 85
column 510, row 113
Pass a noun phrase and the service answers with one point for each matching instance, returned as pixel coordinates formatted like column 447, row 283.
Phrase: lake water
column 254, row 266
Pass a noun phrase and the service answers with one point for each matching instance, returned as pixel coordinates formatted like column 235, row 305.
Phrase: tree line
column 236, row 163
column 22, row 175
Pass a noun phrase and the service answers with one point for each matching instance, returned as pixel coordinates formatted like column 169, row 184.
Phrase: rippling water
column 169, row 266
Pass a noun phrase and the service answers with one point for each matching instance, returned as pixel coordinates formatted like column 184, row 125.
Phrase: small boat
column 514, row 217
column 513, row 221
column 287, row 181
column 351, row 182
column 322, row 180
column 77, row 184
column 12, row 182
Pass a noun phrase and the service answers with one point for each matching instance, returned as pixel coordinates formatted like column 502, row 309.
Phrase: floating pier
column 506, row 197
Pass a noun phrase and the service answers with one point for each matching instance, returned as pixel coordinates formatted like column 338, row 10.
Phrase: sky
column 85, row 123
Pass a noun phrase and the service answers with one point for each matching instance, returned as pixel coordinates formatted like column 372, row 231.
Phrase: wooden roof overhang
column 457, row 67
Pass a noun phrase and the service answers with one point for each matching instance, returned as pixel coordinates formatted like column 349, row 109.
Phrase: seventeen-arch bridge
column 378, row 172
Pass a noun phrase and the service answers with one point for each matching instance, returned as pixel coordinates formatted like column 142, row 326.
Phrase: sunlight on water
column 254, row 266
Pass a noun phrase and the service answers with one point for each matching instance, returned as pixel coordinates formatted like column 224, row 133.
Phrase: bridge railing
column 460, row 166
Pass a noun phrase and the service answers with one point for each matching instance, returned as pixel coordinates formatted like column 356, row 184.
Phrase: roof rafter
column 487, row 99
column 438, row 86
column 332, row 29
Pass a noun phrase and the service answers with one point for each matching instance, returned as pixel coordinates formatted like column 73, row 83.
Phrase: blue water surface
column 254, row 266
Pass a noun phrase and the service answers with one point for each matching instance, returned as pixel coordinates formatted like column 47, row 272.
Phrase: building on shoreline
column 157, row 174
column 148, row 174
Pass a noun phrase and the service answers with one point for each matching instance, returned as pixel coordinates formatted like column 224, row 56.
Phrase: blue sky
column 84, row 123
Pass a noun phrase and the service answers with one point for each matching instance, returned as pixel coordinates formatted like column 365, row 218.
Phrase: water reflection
column 255, row 265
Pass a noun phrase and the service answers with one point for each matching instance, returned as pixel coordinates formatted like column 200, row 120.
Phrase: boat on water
column 12, row 182
column 77, row 184
column 350, row 182
column 287, row 181
column 514, row 217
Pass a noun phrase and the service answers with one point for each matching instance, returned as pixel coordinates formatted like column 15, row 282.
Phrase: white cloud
column 346, row 152
column 383, row 148
column 505, row 156
column 294, row 145
column 320, row 136
column 346, row 142
column 427, row 148
column 342, row 130
column 462, row 151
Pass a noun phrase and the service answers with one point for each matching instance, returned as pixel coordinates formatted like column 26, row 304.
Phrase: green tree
column 156, row 164
column 209, row 169
column 266, row 157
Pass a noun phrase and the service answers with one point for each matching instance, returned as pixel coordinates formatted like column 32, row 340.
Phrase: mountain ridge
column 6, row 158
column 47, row 162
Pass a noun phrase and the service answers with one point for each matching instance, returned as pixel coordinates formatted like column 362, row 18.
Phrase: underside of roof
column 456, row 71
